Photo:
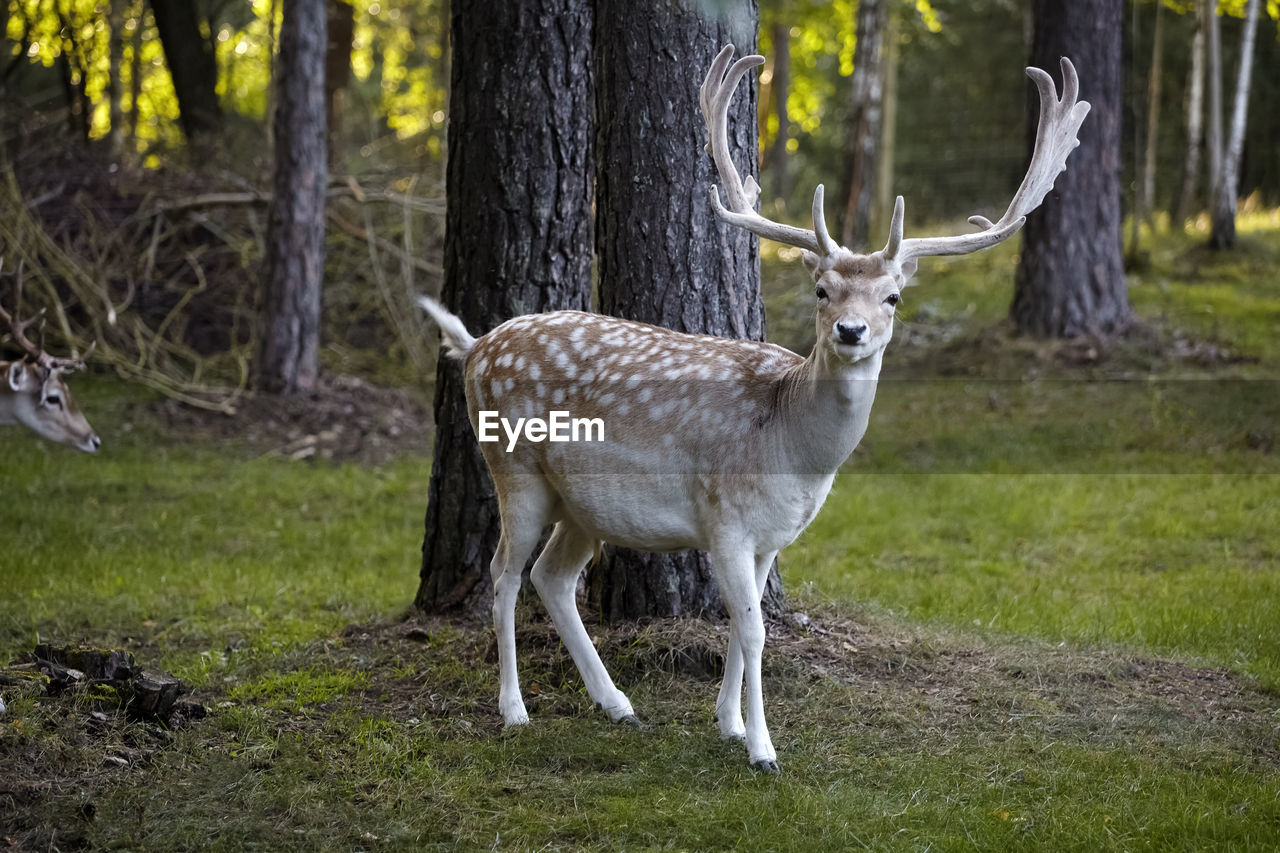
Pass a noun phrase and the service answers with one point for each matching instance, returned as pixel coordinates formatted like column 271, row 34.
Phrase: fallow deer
column 32, row 390
column 722, row 445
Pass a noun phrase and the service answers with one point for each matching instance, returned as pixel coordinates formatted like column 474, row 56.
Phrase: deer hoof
column 768, row 766
column 630, row 720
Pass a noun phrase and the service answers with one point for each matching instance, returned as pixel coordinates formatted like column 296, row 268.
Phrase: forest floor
column 1038, row 609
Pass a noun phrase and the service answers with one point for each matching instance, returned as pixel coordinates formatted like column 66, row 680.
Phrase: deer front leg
column 736, row 575
column 729, row 702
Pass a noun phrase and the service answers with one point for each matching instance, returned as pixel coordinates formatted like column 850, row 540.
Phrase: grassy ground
column 1041, row 609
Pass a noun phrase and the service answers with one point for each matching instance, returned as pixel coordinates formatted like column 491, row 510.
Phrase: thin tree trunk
column 191, row 65
column 1213, row 46
column 1147, row 192
column 889, row 135
column 446, row 58
column 865, row 114
column 115, row 62
column 779, row 91
column 1070, row 280
column 1223, row 235
column 1194, row 106
column 289, row 346
column 518, row 236
column 663, row 256
column 337, row 69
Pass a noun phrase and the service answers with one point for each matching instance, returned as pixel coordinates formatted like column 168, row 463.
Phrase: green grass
column 191, row 546
column 1044, row 595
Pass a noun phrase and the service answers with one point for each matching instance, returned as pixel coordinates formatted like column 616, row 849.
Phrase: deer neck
column 825, row 407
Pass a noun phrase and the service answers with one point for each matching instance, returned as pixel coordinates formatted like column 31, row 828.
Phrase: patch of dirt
column 345, row 419
column 960, row 681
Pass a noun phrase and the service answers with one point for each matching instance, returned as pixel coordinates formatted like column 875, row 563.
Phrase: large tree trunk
column 1223, row 235
column 663, row 256
column 289, row 348
column 1070, row 280
column 863, row 142
column 518, row 233
column 191, row 65
column 1194, row 106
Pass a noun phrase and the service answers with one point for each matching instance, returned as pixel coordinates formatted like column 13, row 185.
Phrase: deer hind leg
column 729, row 702
column 736, row 574
column 523, row 518
column 555, row 576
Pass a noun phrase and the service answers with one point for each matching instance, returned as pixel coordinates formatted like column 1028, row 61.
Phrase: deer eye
column 53, row 400
column 821, row 293
column 893, row 299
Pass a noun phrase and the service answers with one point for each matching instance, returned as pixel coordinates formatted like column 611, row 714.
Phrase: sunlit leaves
column 823, row 38
column 244, row 50
column 396, row 61
column 397, row 54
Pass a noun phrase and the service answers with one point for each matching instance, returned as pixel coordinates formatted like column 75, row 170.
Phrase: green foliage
column 398, row 56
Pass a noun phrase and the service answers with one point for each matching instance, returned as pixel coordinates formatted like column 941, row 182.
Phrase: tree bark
column 1070, row 281
column 865, row 113
column 289, row 345
column 663, row 256
column 1194, row 106
column 518, row 236
column 191, row 65
column 1223, row 235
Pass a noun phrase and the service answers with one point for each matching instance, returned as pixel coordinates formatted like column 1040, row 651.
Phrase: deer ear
column 908, row 270
column 811, row 262
column 17, row 374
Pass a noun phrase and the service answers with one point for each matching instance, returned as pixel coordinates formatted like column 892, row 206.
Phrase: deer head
column 33, row 392
column 856, row 293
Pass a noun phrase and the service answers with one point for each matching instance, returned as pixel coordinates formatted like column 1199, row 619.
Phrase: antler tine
column 18, row 328
column 1056, row 138
column 18, row 333
column 715, row 95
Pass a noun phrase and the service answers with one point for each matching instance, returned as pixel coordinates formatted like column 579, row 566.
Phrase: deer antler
column 1060, row 121
column 18, row 333
column 715, row 95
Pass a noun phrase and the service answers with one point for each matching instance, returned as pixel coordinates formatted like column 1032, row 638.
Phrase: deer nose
column 850, row 334
column 94, row 443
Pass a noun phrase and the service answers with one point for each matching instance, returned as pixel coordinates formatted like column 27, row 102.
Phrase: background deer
column 32, row 391
column 722, row 445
